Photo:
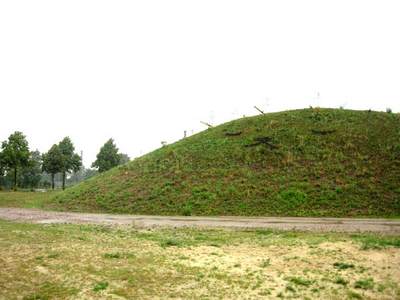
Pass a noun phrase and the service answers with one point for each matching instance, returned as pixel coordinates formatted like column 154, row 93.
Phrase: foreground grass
column 26, row 199
column 91, row 262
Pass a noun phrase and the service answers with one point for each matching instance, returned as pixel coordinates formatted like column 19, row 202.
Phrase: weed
column 100, row 286
column 353, row 295
column 300, row 281
column 341, row 281
column 170, row 243
column 290, row 288
column 365, row 284
column 116, row 255
column 265, row 263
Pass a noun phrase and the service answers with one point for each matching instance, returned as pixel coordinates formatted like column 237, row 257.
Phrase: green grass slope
column 310, row 162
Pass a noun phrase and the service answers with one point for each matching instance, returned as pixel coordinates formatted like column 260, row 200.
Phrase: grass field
column 310, row 162
column 26, row 199
column 313, row 162
column 92, row 262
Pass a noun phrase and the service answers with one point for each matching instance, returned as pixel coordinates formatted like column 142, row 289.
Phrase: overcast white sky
column 145, row 71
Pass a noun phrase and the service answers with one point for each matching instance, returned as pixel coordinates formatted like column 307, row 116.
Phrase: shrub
column 292, row 198
column 187, row 210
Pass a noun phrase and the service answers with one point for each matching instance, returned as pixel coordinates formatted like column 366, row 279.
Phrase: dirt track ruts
column 387, row 226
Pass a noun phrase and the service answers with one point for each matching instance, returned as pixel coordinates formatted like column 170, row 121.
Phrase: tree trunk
column 63, row 181
column 52, row 181
column 15, row 178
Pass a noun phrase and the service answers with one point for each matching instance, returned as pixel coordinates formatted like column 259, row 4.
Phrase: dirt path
column 305, row 224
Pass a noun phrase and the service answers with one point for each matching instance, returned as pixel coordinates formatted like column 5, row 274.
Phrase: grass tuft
column 100, row 286
column 343, row 265
column 365, row 284
column 300, row 281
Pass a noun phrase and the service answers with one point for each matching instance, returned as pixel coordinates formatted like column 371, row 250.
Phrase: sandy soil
column 304, row 224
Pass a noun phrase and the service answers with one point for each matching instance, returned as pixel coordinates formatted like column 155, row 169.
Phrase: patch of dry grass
column 91, row 262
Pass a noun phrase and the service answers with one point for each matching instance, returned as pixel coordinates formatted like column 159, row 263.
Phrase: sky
column 143, row 72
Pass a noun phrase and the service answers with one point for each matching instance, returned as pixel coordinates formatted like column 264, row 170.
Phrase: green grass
column 100, row 286
column 310, row 162
column 26, row 199
column 376, row 242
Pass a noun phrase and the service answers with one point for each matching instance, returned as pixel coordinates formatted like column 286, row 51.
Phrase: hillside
column 310, row 162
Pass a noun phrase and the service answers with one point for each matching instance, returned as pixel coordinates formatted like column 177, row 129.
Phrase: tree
column 52, row 162
column 32, row 173
column 108, row 157
column 15, row 153
column 2, row 171
column 70, row 162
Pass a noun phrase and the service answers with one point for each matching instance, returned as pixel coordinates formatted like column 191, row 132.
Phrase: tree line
column 20, row 167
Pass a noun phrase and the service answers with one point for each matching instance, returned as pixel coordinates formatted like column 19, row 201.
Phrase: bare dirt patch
column 303, row 224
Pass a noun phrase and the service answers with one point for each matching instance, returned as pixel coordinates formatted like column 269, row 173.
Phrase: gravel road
column 386, row 226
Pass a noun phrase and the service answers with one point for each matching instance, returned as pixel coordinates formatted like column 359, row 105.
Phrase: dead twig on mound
column 259, row 110
column 207, row 124
column 233, row 133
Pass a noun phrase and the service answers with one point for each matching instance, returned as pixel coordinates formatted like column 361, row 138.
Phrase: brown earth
column 386, row 226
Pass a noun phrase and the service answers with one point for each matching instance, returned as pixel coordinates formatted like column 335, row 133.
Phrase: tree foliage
column 52, row 162
column 108, row 157
column 15, row 154
column 31, row 174
column 70, row 162
column 2, row 171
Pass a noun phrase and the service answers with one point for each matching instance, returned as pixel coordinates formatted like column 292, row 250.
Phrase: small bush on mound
column 187, row 210
column 292, row 198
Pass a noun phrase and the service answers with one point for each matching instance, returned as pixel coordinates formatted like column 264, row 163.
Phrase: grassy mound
column 311, row 162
